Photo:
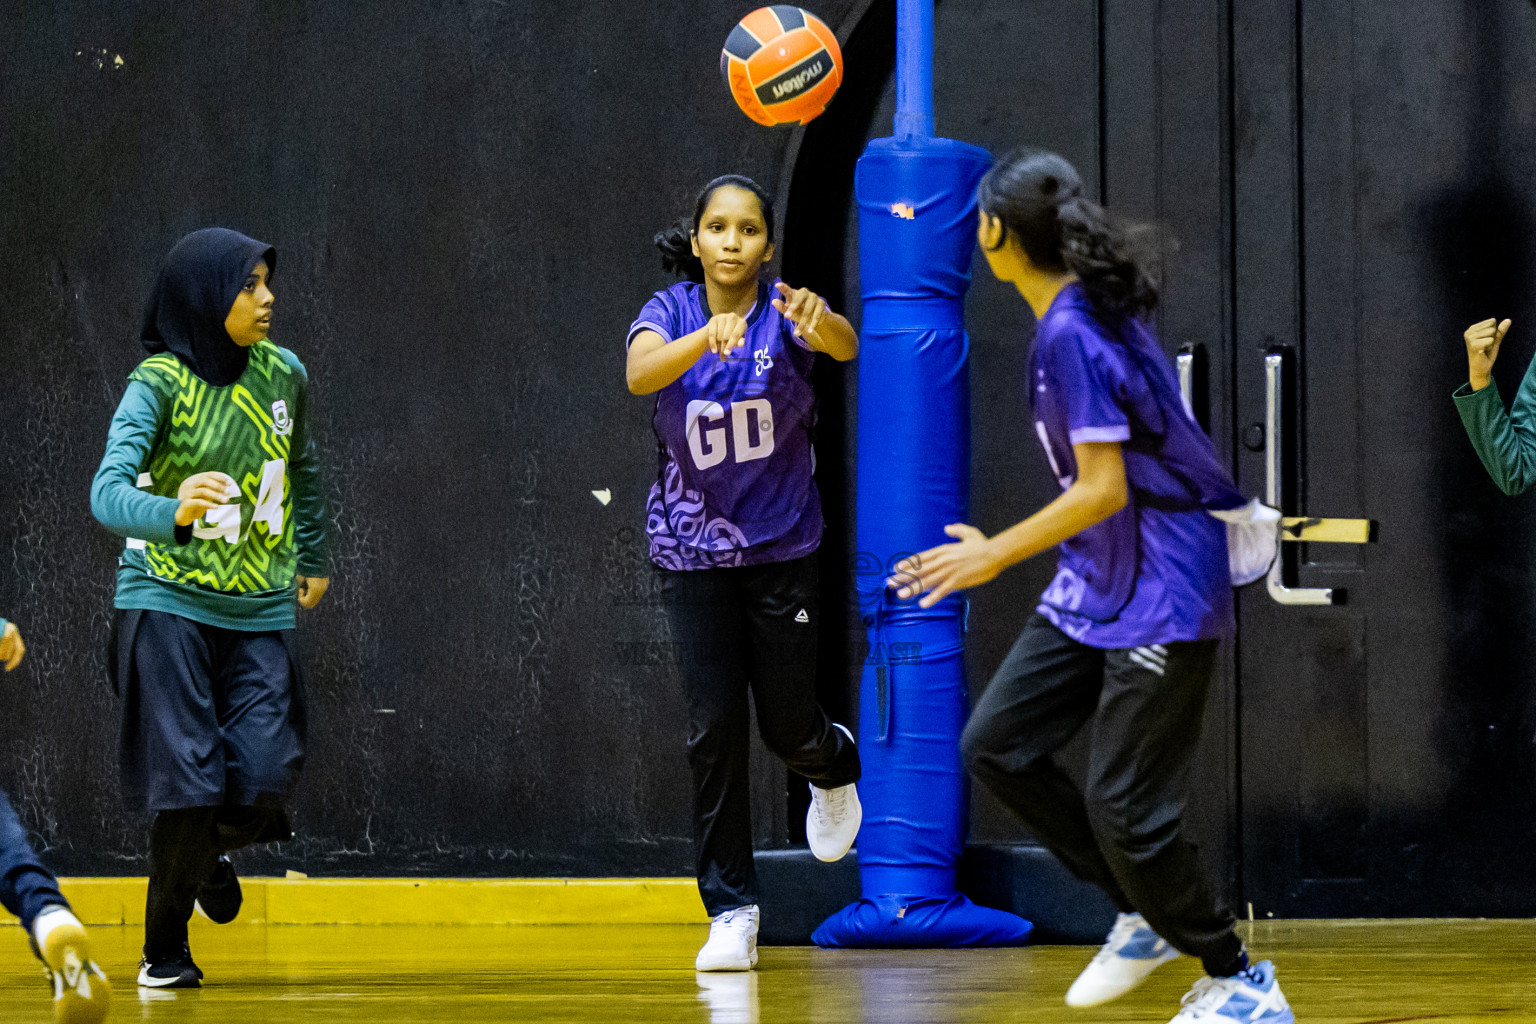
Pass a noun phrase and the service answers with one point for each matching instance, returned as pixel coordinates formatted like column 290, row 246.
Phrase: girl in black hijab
column 211, row 474
column 193, row 296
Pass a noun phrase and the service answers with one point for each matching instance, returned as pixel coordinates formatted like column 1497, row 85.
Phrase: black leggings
column 212, row 740
column 1143, row 707
column 184, row 846
column 739, row 628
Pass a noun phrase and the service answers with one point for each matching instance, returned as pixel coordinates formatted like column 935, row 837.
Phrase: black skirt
column 212, row 717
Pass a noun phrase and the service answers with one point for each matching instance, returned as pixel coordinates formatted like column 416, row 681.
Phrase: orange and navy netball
column 783, row 65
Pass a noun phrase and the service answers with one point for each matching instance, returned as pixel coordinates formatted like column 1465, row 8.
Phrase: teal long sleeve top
column 120, row 506
column 1504, row 439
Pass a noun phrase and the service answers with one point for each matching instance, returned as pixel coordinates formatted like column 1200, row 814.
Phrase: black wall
column 462, row 196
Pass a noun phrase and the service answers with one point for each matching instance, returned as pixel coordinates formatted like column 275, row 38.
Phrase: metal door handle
column 1185, row 361
column 1194, row 385
column 1274, row 430
column 1328, row 531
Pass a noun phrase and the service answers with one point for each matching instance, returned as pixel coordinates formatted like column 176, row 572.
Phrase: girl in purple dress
column 734, row 520
column 1123, row 642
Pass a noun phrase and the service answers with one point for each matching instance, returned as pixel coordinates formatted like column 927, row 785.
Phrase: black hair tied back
column 676, row 240
column 1039, row 198
column 676, row 245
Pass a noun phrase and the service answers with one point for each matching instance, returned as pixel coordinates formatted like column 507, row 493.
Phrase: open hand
column 1483, row 341
column 312, row 589
column 947, row 568
column 724, row 333
column 201, row 492
column 12, row 650
column 802, row 307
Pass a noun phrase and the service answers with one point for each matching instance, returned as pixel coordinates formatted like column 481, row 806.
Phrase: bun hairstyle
column 676, row 241
column 1039, row 198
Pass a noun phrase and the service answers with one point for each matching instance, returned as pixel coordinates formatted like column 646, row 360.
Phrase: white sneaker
column 1132, row 952
column 81, row 994
column 833, row 820
column 732, row 944
column 1252, row 997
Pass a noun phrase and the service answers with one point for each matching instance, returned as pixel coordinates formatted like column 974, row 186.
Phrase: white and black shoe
column 833, row 819
column 732, row 944
column 170, row 972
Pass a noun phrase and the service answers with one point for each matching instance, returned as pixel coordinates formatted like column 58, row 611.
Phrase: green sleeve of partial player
column 1504, row 440
column 310, row 535
column 116, row 500
column 3, row 624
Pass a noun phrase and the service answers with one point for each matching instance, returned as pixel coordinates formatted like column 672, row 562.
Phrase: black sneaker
column 170, row 972
column 220, row 896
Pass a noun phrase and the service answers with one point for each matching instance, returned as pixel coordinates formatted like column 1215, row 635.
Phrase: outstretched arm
column 1505, row 441
column 654, row 362
column 814, row 322
column 1099, row 491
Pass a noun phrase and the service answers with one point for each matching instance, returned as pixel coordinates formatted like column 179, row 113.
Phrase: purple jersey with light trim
column 1156, row 571
column 735, row 484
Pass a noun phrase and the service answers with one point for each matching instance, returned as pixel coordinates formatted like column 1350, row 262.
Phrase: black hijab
column 198, row 284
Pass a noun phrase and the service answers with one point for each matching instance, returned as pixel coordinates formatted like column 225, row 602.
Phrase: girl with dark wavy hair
column 1124, row 639
column 734, row 522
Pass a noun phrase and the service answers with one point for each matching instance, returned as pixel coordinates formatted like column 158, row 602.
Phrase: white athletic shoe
column 1252, row 997
column 833, row 820
column 81, row 994
column 1132, row 952
column 732, row 944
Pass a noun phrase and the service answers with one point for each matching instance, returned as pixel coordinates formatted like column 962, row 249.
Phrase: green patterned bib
column 244, row 430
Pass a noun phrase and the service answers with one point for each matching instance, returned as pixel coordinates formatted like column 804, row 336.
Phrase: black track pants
column 1124, row 833
column 735, row 629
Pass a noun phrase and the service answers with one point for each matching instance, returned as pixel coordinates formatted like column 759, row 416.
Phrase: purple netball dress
column 1156, row 571
column 735, row 482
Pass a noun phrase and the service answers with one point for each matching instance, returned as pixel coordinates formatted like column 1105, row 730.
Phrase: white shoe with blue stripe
column 1132, row 952
column 1252, row 997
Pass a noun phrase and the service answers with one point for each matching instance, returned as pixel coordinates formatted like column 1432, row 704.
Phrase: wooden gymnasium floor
column 1333, row 973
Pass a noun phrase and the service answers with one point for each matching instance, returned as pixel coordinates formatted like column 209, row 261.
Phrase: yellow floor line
column 420, row 901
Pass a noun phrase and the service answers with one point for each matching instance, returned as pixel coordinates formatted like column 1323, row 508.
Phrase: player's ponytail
column 676, row 240
column 1039, row 198
column 676, row 245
